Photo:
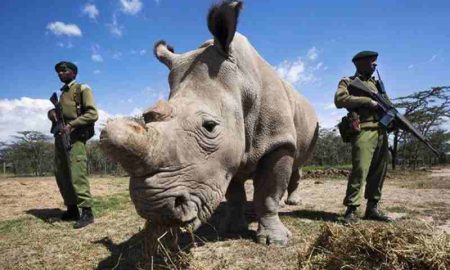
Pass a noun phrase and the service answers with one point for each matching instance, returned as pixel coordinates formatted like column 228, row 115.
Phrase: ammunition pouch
column 349, row 126
column 82, row 133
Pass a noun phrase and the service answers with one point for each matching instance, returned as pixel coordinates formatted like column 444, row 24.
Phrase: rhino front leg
column 293, row 188
column 235, row 221
column 271, row 181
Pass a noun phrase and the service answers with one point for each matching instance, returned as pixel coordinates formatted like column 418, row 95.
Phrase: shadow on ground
column 126, row 255
column 313, row 215
column 130, row 253
column 48, row 215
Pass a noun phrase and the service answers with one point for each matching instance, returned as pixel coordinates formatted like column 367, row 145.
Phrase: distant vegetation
column 31, row 152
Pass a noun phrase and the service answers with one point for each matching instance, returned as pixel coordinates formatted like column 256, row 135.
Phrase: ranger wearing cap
column 79, row 113
column 369, row 141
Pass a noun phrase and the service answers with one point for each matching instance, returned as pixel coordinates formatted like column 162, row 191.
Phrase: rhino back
column 306, row 124
column 277, row 114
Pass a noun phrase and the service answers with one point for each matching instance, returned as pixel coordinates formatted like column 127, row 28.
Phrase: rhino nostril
column 180, row 200
column 160, row 112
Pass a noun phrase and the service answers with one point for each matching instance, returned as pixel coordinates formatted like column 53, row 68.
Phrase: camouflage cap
column 364, row 54
column 66, row 64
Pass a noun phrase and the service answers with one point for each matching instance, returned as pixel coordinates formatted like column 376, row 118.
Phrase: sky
column 309, row 43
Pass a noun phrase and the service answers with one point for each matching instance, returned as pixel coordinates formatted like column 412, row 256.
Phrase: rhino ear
column 222, row 22
column 165, row 53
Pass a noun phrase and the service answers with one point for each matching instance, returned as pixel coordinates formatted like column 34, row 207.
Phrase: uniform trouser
column 369, row 162
column 71, row 174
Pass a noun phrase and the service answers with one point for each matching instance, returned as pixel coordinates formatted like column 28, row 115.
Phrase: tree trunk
column 394, row 151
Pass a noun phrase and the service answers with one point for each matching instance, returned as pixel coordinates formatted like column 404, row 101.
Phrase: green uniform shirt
column 67, row 100
column 361, row 105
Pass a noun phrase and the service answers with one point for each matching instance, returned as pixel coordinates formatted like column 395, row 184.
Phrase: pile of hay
column 330, row 172
column 378, row 246
column 161, row 248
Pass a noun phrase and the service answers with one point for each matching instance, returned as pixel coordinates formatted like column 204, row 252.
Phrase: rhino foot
column 293, row 199
column 282, row 203
column 271, row 231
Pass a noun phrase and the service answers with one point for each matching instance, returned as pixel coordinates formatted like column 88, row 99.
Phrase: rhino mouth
column 170, row 206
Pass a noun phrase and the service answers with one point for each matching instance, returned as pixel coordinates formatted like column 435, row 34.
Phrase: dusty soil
column 19, row 194
column 29, row 241
column 423, row 195
column 412, row 199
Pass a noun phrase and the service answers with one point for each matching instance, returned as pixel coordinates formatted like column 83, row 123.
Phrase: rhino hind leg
column 293, row 188
column 271, row 180
column 235, row 221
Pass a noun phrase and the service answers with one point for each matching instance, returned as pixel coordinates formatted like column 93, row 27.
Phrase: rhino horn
column 222, row 22
column 165, row 53
column 160, row 112
column 131, row 144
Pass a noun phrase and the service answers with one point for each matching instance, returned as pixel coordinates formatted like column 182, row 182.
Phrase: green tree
column 330, row 150
column 427, row 110
column 98, row 163
column 30, row 153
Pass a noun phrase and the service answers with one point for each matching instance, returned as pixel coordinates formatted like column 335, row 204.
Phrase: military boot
column 350, row 216
column 86, row 218
column 72, row 213
column 373, row 213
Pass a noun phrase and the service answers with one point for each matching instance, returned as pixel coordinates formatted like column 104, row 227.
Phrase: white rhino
column 229, row 118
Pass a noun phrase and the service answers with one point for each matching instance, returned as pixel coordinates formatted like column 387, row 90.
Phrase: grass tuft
column 13, row 225
column 377, row 246
column 110, row 204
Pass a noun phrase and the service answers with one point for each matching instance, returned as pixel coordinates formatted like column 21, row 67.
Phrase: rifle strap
column 85, row 132
column 78, row 99
column 380, row 88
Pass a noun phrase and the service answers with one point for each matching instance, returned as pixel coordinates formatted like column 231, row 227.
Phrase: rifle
column 59, row 125
column 388, row 112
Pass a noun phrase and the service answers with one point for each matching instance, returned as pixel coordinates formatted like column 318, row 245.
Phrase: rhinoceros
column 229, row 117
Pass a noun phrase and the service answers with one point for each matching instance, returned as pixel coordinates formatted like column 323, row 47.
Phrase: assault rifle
column 58, row 126
column 388, row 113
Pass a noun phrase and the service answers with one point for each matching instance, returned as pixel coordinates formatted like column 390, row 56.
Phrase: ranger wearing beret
column 369, row 142
column 79, row 113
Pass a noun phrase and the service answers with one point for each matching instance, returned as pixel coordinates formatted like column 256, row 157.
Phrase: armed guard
column 368, row 139
column 79, row 114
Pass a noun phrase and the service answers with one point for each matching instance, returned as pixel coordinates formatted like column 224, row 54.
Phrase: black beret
column 364, row 54
column 66, row 64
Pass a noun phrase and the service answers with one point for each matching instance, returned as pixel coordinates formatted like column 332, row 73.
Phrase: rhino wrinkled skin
column 229, row 118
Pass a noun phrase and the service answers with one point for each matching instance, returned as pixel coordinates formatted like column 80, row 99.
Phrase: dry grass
column 421, row 179
column 31, row 239
column 162, row 248
column 377, row 246
column 39, row 245
column 20, row 194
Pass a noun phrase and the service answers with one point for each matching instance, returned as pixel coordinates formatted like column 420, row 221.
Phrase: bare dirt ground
column 19, row 194
column 30, row 240
column 424, row 196
column 412, row 199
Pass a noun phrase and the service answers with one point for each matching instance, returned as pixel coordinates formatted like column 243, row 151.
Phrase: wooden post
column 4, row 169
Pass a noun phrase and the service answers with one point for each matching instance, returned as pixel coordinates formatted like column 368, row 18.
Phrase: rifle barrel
column 358, row 88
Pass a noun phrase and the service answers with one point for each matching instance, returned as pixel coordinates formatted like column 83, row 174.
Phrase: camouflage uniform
column 369, row 147
column 71, row 172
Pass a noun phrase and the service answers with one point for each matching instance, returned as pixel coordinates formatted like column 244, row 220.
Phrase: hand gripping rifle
column 388, row 113
column 58, row 126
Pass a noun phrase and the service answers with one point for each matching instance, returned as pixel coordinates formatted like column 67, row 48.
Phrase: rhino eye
column 209, row 125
